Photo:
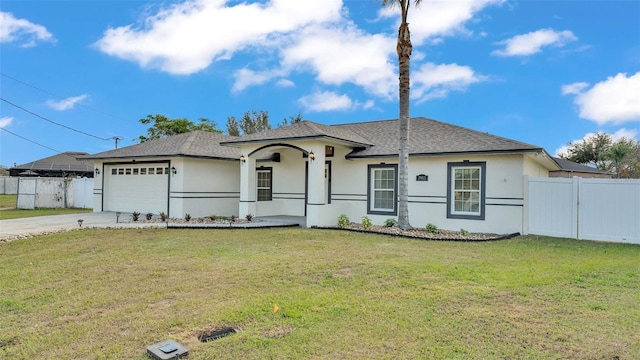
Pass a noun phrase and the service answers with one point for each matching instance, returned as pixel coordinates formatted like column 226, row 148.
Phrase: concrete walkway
column 25, row 227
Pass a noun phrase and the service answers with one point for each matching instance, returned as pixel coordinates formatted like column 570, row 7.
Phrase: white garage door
column 136, row 187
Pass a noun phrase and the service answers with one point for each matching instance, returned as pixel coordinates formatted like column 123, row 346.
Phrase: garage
column 142, row 187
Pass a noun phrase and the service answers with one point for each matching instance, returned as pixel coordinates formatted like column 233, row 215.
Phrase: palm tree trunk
column 404, row 48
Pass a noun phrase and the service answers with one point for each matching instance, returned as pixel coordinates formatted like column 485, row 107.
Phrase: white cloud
column 187, row 37
column 285, row 83
column 246, row 78
column 436, row 18
column 432, row 81
column 615, row 100
column 5, row 121
column 66, row 104
column 341, row 55
column 532, row 43
column 13, row 29
column 575, row 88
column 320, row 101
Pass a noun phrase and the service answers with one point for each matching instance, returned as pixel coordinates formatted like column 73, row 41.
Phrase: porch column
column 316, row 198
column 247, row 187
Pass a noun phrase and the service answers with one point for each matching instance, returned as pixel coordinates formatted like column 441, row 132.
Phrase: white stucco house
column 459, row 178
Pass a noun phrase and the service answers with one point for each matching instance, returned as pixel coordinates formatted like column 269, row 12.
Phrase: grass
column 107, row 294
column 8, row 209
column 8, row 201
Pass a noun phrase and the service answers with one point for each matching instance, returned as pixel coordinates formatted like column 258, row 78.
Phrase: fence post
column 525, row 212
column 575, row 207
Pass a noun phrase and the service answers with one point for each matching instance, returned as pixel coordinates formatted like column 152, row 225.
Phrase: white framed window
column 466, row 190
column 264, row 184
column 382, row 189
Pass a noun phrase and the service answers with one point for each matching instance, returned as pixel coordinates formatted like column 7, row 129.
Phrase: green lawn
column 107, row 294
column 8, row 201
column 23, row 213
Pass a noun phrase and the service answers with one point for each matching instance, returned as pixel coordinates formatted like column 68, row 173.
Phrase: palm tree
column 403, row 48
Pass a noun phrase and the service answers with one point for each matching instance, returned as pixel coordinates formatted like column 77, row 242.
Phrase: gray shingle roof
column 67, row 161
column 572, row 166
column 430, row 137
column 202, row 144
column 303, row 130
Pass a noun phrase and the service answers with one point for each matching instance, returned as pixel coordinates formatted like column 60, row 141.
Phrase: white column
column 316, row 198
column 247, row 187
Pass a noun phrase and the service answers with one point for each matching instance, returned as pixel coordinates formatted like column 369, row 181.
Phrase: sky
column 75, row 74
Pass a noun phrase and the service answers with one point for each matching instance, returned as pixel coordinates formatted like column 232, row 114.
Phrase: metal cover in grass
column 216, row 334
column 167, row 349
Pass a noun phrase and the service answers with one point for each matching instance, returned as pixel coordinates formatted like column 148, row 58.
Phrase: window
column 151, row 171
column 264, row 184
column 158, row 171
column 127, row 171
column 382, row 189
column 120, row 171
column 466, row 188
column 114, row 171
column 135, row 171
column 143, row 171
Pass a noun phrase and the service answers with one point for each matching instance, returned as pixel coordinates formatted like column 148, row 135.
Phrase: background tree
column 403, row 49
column 251, row 122
column 292, row 120
column 621, row 157
column 162, row 126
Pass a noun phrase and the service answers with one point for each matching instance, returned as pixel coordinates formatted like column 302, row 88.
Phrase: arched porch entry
column 285, row 179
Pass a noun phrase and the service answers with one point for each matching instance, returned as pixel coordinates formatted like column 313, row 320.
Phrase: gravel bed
column 419, row 233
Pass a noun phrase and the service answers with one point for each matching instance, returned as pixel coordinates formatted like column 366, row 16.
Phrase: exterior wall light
column 312, row 156
column 97, row 171
column 243, row 159
column 173, row 170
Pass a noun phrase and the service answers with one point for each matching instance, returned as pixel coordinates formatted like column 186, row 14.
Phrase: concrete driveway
column 24, row 227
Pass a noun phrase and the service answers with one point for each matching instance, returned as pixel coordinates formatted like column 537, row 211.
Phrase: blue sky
column 541, row 72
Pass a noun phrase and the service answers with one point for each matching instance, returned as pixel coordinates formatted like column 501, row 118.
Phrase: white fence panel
column 50, row 193
column 82, row 194
column 26, row 193
column 8, row 185
column 552, row 207
column 579, row 208
column 609, row 210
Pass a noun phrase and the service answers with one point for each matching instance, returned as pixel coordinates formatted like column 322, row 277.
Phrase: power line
column 53, row 122
column 55, row 95
column 31, row 141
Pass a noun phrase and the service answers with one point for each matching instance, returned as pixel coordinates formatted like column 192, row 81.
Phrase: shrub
column 366, row 222
column 148, row 216
column 233, row 218
column 163, row 216
column 391, row 222
column 187, row 217
column 249, row 217
column 463, row 232
column 343, row 220
column 135, row 216
column 432, row 228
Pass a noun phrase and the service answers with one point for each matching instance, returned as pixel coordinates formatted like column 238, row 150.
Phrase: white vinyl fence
column 54, row 193
column 8, row 185
column 580, row 208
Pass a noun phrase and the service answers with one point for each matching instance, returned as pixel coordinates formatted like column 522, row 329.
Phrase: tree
column 621, row 157
column 162, row 126
column 251, row 122
column 292, row 120
column 403, row 49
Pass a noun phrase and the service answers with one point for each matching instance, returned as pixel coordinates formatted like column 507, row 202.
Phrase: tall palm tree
column 403, row 48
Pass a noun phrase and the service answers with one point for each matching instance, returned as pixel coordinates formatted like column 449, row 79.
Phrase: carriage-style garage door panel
column 136, row 187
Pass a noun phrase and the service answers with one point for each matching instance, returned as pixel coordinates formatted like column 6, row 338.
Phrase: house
column 188, row 173
column 458, row 178
column 569, row 169
column 65, row 164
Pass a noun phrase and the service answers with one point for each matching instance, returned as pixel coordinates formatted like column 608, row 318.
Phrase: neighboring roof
column 301, row 131
column 566, row 165
column 63, row 162
column 203, row 144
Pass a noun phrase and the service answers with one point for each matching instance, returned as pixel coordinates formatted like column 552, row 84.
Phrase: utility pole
column 116, row 138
